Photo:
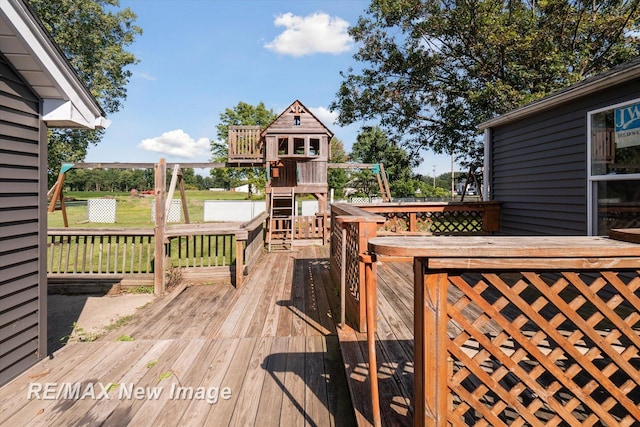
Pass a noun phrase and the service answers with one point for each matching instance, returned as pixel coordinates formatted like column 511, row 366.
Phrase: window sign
column 627, row 126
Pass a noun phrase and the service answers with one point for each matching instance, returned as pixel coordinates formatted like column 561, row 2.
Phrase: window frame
column 592, row 180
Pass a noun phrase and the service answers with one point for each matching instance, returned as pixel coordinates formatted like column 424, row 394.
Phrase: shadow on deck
column 265, row 354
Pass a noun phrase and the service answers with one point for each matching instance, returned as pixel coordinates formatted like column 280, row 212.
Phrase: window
column 296, row 120
column 314, row 147
column 283, row 146
column 614, row 167
column 298, row 146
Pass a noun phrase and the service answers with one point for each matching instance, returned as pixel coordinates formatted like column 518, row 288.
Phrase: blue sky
column 199, row 57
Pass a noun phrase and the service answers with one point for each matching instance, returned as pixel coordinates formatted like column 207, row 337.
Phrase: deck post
column 239, row 263
column 159, row 227
column 370, row 291
column 430, row 362
column 343, row 276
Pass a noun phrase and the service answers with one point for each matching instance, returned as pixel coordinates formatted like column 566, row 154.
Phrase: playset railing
column 245, row 143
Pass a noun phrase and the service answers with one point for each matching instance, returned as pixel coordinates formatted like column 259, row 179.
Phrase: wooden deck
column 394, row 350
column 266, row 354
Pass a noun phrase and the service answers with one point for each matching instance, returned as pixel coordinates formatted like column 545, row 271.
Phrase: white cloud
column 327, row 117
column 147, row 76
column 305, row 35
column 177, row 143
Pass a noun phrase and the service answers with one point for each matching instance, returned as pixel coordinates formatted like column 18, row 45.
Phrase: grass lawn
column 133, row 212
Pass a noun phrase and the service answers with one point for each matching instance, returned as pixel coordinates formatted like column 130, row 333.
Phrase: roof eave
column 81, row 108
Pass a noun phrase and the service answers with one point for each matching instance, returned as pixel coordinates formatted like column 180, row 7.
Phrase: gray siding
column 22, row 226
column 539, row 166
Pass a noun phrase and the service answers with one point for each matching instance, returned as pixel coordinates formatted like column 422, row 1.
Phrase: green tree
column 373, row 146
column 338, row 178
column 242, row 114
column 93, row 34
column 431, row 71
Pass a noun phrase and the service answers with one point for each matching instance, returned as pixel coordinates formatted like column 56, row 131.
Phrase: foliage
column 431, row 71
column 93, row 35
column 372, row 146
column 125, row 180
column 242, row 114
column 338, row 178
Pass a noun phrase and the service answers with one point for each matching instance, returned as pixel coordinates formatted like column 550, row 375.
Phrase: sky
column 200, row 57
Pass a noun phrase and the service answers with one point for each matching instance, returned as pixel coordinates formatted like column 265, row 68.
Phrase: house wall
column 538, row 166
column 22, row 240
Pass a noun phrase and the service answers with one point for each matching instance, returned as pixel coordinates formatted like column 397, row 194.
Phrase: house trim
column 66, row 100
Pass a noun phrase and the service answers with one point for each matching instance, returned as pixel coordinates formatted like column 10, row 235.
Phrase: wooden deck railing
column 245, row 143
column 92, row 253
column 522, row 330
column 448, row 218
column 353, row 226
column 99, row 252
column 304, row 227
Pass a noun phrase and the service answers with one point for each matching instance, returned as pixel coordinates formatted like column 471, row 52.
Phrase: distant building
column 569, row 164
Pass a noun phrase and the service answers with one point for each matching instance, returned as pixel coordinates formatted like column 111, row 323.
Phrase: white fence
column 232, row 210
column 175, row 211
column 101, row 210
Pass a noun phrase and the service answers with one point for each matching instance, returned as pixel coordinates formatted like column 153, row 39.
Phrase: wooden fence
column 523, row 330
column 196, row 249
column 100, row 252
column 353, row 226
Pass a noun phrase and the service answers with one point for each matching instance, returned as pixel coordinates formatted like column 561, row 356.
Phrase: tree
column 338, row 178
column 433, row 70
column 242, row 114
column 93, row 35
column 373, row 146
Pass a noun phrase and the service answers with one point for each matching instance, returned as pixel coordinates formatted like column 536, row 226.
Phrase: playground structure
column 295, row 152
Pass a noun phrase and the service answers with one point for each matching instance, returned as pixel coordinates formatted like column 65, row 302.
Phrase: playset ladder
column 383, row 183
column 281, row 217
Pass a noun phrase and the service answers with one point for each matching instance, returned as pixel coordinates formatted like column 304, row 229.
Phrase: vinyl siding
column 22, row 304
column 538, row 166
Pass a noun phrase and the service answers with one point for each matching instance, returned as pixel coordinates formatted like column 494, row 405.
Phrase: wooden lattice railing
column 362, row 222
column 350, row 230
column 524, row 330
column 245, row 143
column 545, row 349
column 438, row 218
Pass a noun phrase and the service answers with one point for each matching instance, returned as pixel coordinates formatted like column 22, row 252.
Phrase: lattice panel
column 353, row 268
column 101, row 210
column 455, row 222
column 352, row 275
column 336, row 242
column 397, row 222
column 534, row 348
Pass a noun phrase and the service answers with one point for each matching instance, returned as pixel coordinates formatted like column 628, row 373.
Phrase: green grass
column 134, row 212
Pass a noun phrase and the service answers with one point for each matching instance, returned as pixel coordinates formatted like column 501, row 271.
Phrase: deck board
column 272, row 343
column 394, row 351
